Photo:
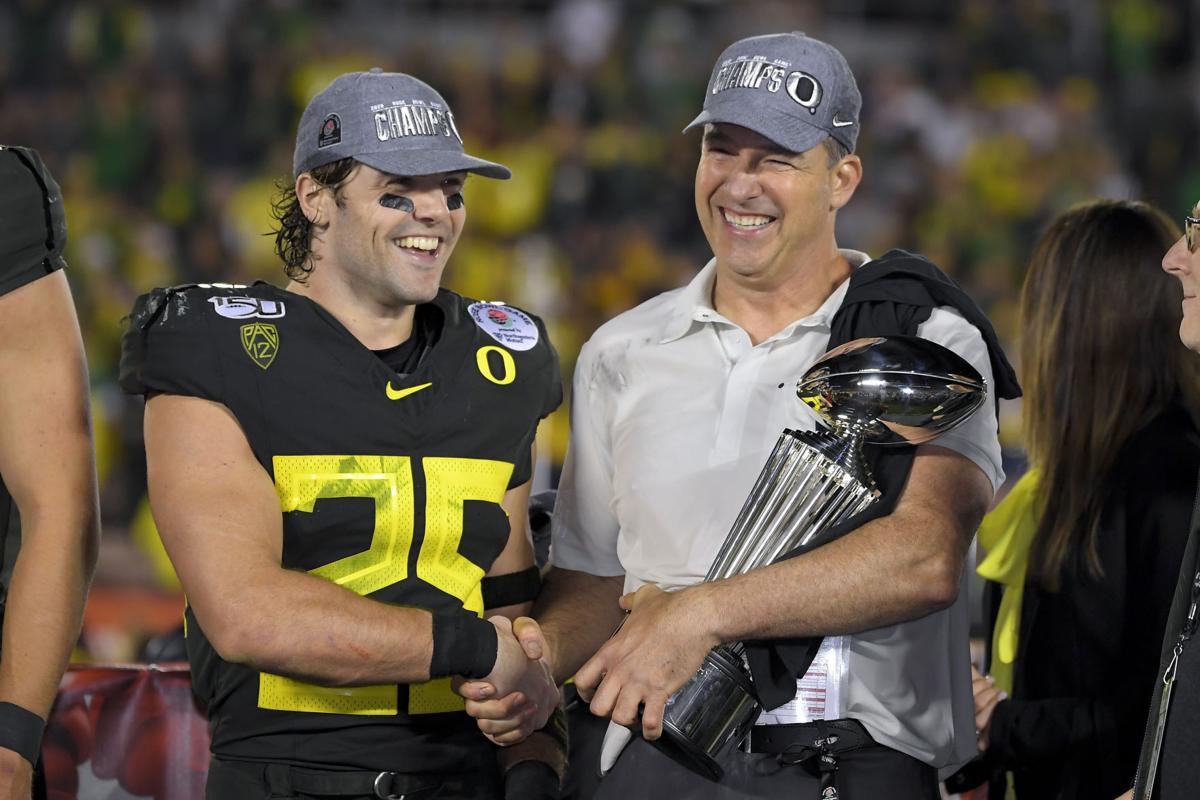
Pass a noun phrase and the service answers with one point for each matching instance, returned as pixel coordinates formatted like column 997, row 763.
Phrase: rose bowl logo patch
column 331, row 131
column 499, row 317
column 509, row 326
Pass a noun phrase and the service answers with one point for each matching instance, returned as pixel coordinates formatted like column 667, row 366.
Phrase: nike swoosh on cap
column 399, row 394
column 838, row 123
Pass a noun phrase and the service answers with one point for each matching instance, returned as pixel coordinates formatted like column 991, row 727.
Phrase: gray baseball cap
column 386, row 120
column 788, row 87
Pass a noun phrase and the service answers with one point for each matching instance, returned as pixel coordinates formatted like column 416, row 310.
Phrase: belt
column 285, row 778
column 817, row 746
column 836, row 735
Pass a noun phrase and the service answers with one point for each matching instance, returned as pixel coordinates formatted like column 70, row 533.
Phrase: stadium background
column 168, row 123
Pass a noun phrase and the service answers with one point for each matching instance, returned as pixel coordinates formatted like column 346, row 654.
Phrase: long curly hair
column 293, row 237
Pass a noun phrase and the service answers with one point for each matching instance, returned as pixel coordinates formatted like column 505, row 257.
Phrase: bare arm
column 218, row 513
column 895, row 568
column 47, row 463
column 577, row 613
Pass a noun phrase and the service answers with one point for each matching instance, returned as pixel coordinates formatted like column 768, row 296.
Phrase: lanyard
column 1168, row 684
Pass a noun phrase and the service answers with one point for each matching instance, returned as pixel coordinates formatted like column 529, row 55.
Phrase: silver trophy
column 898, row 390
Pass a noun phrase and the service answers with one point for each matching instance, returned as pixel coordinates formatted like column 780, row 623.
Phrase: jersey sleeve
column 33, row 228
column 552, row 397
column 14, row 274
column 547, row 396
column 167, row 347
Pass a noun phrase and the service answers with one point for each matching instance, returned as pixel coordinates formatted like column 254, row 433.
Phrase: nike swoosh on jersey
column 838, row 123
column 399, row 394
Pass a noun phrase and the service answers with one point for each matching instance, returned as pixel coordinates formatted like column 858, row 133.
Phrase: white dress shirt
column 674, row 412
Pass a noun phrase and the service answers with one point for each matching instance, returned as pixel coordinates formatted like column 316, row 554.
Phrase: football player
column 49, row 515
column 340, row 471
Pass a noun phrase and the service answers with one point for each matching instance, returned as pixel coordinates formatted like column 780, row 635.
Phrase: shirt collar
column 694, row 302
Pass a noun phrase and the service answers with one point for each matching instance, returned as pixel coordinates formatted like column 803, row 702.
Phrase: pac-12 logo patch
column 247, row 307
column 509, row 326
column 260, row 340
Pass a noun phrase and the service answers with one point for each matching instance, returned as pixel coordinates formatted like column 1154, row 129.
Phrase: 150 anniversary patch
column 241, row 307
column 509, row 326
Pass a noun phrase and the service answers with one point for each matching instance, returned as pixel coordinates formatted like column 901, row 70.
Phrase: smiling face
column 766, row 211
column 1185, row 266
column 378, row 249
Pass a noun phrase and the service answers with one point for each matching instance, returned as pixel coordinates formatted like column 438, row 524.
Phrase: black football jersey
column 389, row 485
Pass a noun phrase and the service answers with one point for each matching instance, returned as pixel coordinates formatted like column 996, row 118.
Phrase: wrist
column 550, row 655
column 21, row 731
column 708, row 616
column 463, row 644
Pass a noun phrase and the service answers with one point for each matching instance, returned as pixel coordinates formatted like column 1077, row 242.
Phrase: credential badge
column 241, row 307
column 260, row 340
column 509, row 326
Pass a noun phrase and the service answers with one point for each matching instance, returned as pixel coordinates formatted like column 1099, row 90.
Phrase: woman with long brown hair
column 1087, row 546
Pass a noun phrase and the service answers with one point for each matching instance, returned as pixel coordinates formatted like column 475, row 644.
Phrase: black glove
column 531, row 780
column 533, row 769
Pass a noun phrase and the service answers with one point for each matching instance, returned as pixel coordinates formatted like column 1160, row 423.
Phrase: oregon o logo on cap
column 799, row 82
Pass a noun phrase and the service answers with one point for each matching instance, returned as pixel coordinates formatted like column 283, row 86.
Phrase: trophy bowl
column 894, row 390
column 897, row 389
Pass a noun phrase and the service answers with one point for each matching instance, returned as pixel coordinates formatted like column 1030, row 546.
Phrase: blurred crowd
column 169, row 125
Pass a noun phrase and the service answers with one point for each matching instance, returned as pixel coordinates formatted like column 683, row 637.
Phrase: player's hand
column 659, row 647
column 987, row 697
column 16, row 776
column 519, row 695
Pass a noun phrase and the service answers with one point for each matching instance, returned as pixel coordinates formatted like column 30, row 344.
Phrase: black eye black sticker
column 455, row 201
column 398, row 202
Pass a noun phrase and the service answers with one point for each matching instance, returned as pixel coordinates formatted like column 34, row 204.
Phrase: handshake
column 518, row 696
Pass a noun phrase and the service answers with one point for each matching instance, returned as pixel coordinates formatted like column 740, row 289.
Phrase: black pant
column 872, row 773
column 239, row 780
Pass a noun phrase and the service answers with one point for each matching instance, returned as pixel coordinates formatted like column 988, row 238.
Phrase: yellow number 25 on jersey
column 388, row 480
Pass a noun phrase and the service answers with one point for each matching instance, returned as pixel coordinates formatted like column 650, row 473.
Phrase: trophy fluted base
column 710, row 714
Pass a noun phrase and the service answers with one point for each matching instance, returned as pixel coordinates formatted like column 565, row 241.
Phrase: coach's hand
column 660, row 646
column 519, row 694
